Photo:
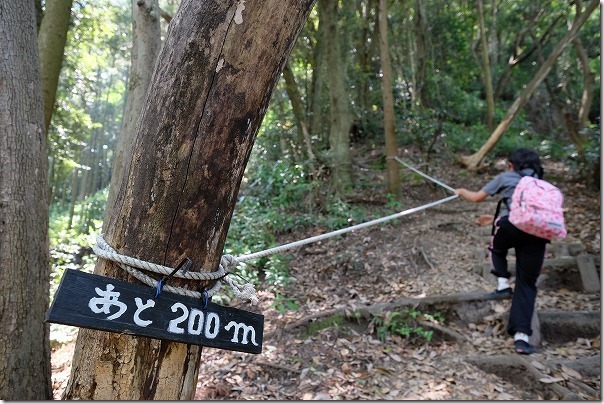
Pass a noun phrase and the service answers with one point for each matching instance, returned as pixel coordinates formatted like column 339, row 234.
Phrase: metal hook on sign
column 185, row 262
column 205, row 299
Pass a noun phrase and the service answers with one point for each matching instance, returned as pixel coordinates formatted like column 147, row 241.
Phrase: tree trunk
column 588, row 84
column 74, row 197
column 392, row 178
column 365, row 52
column 316, row 85
column 340, row 121
column 146, row 42
column 420, row 54
column 51, row 44
column 486, row 67
column 296, row 101
column 24, row 272
column 474, row 160
column 208, row 95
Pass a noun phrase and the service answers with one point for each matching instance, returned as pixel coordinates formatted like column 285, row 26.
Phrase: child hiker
column 530, row 250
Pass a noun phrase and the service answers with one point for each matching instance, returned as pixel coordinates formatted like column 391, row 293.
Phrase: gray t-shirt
column 505, row 184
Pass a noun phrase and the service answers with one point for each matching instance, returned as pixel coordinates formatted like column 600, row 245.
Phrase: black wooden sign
column 107, row 304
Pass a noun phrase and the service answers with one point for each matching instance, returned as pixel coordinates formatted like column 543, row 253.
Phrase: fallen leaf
column 384, row 371
column 572, row 372
column 322, row 396
column 549, row 380
column 395, row 357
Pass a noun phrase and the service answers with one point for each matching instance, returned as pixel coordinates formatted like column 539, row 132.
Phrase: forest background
column 455, row 71
column 440, row 106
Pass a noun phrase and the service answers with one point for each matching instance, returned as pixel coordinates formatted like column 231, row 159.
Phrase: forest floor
column 429, row 253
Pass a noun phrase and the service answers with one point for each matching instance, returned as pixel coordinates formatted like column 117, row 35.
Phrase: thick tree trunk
column 51, row 44
column 209, row 93
column 146, row 42
column 24, row 272
column 392, row 178
column 340, row 120
column 474, row 160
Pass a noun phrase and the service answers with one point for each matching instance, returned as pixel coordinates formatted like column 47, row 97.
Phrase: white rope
column 229, row 263
column 299, row 243
column 425, row 175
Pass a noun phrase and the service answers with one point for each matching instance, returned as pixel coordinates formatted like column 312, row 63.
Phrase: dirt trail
column 426, row 254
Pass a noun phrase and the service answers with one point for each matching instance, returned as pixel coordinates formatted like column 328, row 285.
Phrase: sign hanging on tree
column 107, row 304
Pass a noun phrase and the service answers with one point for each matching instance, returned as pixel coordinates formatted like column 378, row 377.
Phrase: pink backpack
column 536, row 209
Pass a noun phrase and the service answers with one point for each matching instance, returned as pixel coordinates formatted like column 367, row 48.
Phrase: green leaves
column 406, row 324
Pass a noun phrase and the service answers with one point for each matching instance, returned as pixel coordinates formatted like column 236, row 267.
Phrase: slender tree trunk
column 209, row 93
column 588, row 84
column 146, row 42
column 365, row 52
column 74, row 197
column 52, row 187
column 486, row 67
column 316, row 115
column 296, row 100
column 339, row 129
column 51, row 43
column 474, row 160
column 286, row 146
column 392, row 177
column 420, row 53
column 24, row 272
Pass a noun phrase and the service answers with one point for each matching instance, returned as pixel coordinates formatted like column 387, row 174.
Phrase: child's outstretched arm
column 472, row 196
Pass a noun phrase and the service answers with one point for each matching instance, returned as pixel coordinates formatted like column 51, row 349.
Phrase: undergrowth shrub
column 280, row 199
column 405, row 323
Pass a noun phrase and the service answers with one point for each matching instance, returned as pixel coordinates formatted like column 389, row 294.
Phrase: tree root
column 355, row 312
column 510, row 366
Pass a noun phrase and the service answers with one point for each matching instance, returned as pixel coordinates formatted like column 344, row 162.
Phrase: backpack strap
column 502, row 200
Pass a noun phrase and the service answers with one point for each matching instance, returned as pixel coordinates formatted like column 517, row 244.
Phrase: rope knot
column 243, row 292
column 228, row 263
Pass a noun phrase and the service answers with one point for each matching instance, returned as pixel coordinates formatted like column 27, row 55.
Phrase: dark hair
column 526, row 158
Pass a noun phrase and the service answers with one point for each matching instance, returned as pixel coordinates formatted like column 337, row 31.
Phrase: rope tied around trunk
column 228, row 263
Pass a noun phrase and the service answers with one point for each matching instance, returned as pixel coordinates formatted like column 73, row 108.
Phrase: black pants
column 530, row 253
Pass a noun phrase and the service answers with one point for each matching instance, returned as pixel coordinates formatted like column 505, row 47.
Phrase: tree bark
column 24, row 272
column 51, row 44
column 208, row 95
column 296, row 101
column 486, row 67
column 474, row 160
column 588, row 84
column 392, row 178
column 420, row 54
column 340, row 120
column 316, row 85
column 146, row 42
